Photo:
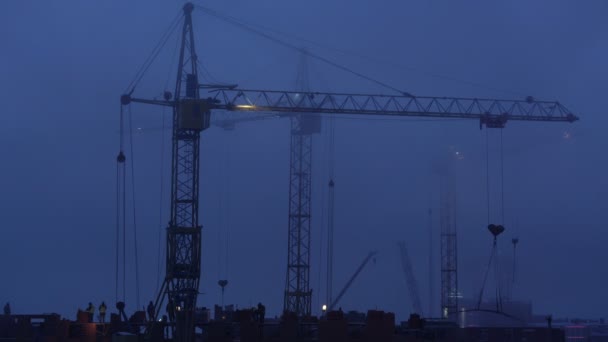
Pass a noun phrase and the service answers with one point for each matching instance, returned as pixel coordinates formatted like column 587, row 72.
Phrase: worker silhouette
column 261, row 313
column 7, row 309
column 102, row 312
column 151, row 311
column 91, row 310
column 120, row 306
column 165, row 326
column 171, row 310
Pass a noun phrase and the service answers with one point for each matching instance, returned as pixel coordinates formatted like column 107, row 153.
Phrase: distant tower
column 449, row 252
column 432, row 269
column 330, row 235
column 298, row 294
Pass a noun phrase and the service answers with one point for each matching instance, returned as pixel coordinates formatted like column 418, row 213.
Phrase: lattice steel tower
column 298, row 295
column 191, row 115
column 449, row 248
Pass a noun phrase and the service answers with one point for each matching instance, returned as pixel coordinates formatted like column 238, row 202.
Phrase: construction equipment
column 352, row 279
column 431, row 268
column 330, row 213
column 191, row 115
column 298, row 295
column 495, row 230
column 448, row 240
column 412, row 284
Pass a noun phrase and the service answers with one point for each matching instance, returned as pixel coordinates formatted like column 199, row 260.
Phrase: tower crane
column 298, row 294
column 191, row 114
column 448, row 239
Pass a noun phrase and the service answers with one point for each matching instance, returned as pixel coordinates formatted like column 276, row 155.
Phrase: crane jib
column 492, row 113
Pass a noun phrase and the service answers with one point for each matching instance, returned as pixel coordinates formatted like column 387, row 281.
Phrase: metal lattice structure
column 184, row 231
column 183, row 260
column 297, row 287
column 191, row 115
column 493, row 113
column 298, row 294
column 449, row 252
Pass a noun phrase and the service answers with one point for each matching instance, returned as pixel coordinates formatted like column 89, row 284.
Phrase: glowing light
column 245, row 106
column 324, row 308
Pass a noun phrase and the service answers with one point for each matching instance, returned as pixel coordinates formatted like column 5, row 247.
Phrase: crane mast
column 449, row 245
column 191, row 115
column 298, row 294
column 183, row 241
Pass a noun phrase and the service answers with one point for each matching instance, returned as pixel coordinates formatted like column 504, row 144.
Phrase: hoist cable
column 487, row 177
column 117, row 246
column 497, row 281
column 227, row 207
column 133, row 198
column 124, row 234
column 502, row 178
column 120, row 208
column 485, row 277
column 160, row 205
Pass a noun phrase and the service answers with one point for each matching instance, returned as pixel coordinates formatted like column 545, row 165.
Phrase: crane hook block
column 194, row 114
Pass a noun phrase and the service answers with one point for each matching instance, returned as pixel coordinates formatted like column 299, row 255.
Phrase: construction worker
column 171, row 310
column 151, row 311
column 102, row 312
column 7, row 309
column 261, row 313
column 91, row 310
column 165, row 326
column 120, row 306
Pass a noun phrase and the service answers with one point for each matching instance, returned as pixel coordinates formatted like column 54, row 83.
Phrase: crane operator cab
column 193, row 113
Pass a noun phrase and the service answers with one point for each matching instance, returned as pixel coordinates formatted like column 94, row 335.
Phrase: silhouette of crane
column 191, row 114
column 352, row 279
column 412, row 284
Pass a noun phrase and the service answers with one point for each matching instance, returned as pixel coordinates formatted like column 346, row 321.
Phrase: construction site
column 326, row 265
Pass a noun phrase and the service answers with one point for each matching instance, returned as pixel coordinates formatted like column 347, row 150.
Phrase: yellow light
column 245, row 106
column 324, row 308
